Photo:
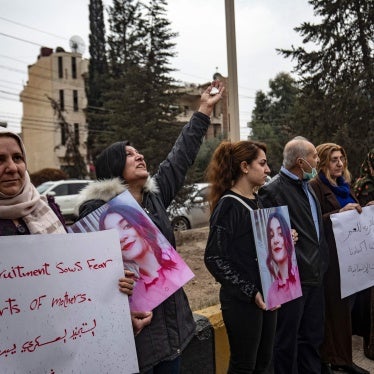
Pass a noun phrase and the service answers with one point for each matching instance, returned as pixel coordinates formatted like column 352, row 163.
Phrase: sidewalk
column 358, row 355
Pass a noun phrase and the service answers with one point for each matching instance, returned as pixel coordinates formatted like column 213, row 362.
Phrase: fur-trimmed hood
column 107, row 189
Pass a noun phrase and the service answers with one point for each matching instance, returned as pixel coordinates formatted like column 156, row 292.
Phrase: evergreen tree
column 272, row 118
column 97, row 77
column 140, row 90
column 126, row 51
column 159, row 91
column 337, row 76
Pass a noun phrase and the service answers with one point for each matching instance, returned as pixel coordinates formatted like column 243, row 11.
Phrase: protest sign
column 60, row 307
column 159, row 269
column 354, row 238
column 276, row 255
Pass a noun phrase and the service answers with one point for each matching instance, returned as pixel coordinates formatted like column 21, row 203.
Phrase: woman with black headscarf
column 121, row 167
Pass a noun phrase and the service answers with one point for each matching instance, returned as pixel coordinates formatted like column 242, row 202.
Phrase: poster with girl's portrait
column 276, row 255
column 159, row 269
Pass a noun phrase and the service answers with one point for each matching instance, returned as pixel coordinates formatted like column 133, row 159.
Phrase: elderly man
column 300, row 327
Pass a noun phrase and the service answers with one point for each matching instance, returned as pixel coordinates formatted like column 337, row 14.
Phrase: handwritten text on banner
column 354, row 237
column 60, row 308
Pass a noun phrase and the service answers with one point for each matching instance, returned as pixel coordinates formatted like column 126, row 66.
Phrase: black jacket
column 311, row 252
column 172, row 325
column 230, row 254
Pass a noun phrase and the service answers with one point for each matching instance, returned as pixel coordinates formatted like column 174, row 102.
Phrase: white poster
column 60, row 307
column 354, row 237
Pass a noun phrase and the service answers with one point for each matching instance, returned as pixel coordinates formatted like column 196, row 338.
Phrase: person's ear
column 244, row 167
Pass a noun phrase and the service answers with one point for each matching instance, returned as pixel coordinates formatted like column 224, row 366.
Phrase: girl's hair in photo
column 224, row 168
column 286, row 233
column 144, row 228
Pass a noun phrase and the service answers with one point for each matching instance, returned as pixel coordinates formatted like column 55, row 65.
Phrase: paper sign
column 276, row 255
column 354, row 238
column 159, row 269
column 60, row 307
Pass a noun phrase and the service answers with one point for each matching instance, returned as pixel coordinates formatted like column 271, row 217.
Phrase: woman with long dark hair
column 235, row 172
column 286, row 284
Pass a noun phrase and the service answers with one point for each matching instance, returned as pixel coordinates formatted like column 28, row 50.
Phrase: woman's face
column 277, row 245
column 136, row 168
column 133, row 246
column 336, row 164
column 12, row 166
column 258, row 170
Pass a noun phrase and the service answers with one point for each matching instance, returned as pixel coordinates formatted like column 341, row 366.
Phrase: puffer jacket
column 311, row 251
column 230, row 254
column 172, row 325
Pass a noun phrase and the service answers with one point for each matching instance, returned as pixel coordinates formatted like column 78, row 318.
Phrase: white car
column 65, row 193
column 195, row 212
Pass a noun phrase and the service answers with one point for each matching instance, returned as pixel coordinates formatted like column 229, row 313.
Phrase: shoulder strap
column 239, row 199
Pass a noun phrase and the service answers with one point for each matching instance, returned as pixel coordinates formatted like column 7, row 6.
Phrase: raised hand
column 210, row 97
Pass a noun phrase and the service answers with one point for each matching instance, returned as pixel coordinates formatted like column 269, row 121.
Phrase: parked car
column 65, row 193
column 195, row 212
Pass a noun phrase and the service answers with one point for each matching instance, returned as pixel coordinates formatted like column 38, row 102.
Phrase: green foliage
column 272, row 118
column 337, row 76
column 97, row 78
column 139, row 91
column 203, row 158
column 196, row 174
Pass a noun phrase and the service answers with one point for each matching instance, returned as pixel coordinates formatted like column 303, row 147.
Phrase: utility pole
column 234, row 124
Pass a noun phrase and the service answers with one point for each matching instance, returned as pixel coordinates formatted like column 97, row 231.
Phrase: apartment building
column 53, row 101
column 189, row 101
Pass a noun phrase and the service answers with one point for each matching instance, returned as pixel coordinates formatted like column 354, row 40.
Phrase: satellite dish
column 77, row 44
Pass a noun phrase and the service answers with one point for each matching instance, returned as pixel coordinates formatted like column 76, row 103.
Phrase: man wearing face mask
column 300, row 326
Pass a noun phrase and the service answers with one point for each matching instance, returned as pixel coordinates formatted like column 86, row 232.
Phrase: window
column 76, row 133
column 75, row 100
column 203, row 194
column 60, row 67
column 216, row 129
column 74, row 188
column 61, row 190
column 62, row 100
column 63, row 133
column 74, row 68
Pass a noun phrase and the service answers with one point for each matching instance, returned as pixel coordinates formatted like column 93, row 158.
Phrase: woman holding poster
column 235, row 172
column 280, row 261
column 332, row 189
column 122, row 167
column 22, row 210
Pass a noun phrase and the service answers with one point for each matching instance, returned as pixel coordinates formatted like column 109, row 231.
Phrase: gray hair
column 293, row 150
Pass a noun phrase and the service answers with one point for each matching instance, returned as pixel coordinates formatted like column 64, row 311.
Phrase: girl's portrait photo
column 158, row 269
column 276, row 256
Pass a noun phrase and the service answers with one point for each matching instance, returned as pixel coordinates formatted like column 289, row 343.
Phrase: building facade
column 189, row 102
column 54, row 105
column 53, row 120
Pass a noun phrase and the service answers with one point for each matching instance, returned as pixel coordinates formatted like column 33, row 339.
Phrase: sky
column 261, row 27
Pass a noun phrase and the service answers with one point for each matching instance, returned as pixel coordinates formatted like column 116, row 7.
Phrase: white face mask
column 309, row 175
